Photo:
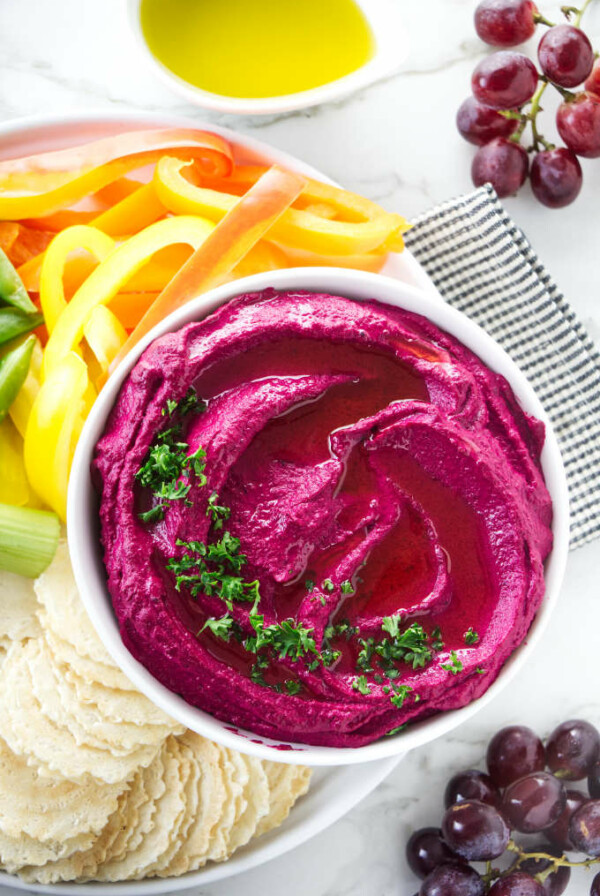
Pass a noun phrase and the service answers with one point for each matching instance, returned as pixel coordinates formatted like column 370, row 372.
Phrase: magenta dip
column 360, row 541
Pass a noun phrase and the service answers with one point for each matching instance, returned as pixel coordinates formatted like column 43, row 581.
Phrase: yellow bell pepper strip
column 20, row 409
column 131, row 214
column 14, row 487
column 53, row 428
column 297, row 228
column 14, row 366
column 112, row 274
column 12, row 291
column 28, row 540
column 252, row 216
column 105, row 336
column 52, row 292
column 56, row 180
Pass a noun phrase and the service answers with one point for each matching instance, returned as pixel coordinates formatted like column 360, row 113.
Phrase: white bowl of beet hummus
column 318, row 516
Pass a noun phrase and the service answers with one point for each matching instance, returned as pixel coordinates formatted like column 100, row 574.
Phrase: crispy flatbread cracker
column 18, row 605
column 50, row 809
column 255, row 804
column 286, row 784
column 29, row 732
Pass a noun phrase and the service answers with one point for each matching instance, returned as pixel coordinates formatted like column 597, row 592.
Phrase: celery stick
column 28, row 539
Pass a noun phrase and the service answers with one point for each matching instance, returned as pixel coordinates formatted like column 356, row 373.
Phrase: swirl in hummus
column 347, row 529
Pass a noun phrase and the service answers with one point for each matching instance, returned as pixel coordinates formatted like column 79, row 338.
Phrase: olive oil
column 257, row 48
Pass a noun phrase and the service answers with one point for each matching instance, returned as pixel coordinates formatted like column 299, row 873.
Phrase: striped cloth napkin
column 483, row 265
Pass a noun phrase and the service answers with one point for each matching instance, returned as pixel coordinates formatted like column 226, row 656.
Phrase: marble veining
column 396, row 142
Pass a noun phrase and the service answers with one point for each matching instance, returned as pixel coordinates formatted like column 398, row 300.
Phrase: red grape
column 559, row 832
column 534, row 802
column 572, row 749
column 476, row 831
column 505, row 23
column 584, row 828
column 594, row 781
column 501, row 163
column 555, row 883
column 592, row 85
column 578, row 123
column 471, row 785
column 556, row 179
column 517, row 884
column 479, row 124
column 566, row 55
column 513, row 752
column 504, row 80
column 452, row 880
column 426, row 850
column 595, row 888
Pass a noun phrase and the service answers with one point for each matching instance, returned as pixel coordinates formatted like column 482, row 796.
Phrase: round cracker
column 30, row 733
column 286, row 784
column 83, row 666
column 255, row 801
column 64, row 612
column 50, row 808
column 18, row 605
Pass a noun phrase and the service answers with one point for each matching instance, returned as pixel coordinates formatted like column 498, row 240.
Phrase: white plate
column 333, row 791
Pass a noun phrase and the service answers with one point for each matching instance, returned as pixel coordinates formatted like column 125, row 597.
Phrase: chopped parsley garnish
column 470, row 636
column 217, row 512
column 292, row 687
column 211, row 569
column 410, row 646
column 361, row 684
column 221, row 628
column 436, row 639
column 347, row 587
column 285, row 638
column 189, row 403
column 480, row 671
column 167, row 461
column 309, row 585
column 395, row 730
column 455, row 666
column 401, row 692
column 327, row 585
column 322, row 600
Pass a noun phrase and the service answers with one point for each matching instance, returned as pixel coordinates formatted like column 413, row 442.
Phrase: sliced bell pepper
column 105, row 336
column 301, row 229
column 112, row 274
column 52, row 292
column 252, row 216
column 53, row 428
column 39, row 185
column 14, row 487
column 130, row 307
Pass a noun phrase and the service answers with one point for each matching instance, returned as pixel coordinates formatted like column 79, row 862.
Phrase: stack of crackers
column 96, row 783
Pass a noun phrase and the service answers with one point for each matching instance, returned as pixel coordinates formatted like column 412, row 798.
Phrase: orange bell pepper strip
column 297, row 228
column 111, row 276
column 369, row 261
column 130, row 307
column 54, row 425
column 251, row 217
column 39, row 185
column 52, row 292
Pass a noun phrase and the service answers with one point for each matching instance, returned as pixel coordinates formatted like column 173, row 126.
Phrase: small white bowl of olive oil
column 262, row 57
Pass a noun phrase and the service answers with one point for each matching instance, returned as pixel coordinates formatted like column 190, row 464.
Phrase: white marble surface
column 396, row 143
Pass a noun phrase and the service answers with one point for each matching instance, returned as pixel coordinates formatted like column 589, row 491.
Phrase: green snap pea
column 14, row 322
column 12, row 290
column 14, row 367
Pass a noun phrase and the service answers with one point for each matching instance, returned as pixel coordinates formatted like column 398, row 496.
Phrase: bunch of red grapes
column 507, row 90
column 526, row 789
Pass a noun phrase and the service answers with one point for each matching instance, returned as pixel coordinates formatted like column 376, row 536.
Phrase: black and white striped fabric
column 483, row 265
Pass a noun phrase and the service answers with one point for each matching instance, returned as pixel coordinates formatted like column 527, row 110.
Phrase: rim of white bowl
column 82, row 516
column 391, row 50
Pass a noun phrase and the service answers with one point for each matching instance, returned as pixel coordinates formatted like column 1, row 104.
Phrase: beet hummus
column 322, row 519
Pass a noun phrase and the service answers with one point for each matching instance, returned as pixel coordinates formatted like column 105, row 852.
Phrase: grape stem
column 556, row 863
column 539, row 19
column 531, row 116
column 578, row 12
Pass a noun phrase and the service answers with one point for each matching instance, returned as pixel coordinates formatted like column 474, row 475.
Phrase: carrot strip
column 231, row 240
column 61, row 178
